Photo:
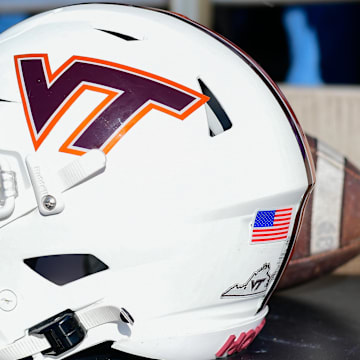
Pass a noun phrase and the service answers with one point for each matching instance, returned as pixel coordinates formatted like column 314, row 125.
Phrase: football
column 330, row 232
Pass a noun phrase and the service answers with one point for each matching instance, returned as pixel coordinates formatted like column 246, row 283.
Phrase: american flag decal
column 271, row 225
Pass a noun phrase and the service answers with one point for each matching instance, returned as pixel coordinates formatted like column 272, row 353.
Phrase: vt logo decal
column 256, row 286
column 130, row 94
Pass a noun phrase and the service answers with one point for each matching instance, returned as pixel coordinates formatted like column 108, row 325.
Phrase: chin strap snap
column 62, row 332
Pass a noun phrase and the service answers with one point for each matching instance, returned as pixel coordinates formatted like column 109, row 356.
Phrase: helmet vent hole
column 63, row 269
column 218, row 121
column 119, row 35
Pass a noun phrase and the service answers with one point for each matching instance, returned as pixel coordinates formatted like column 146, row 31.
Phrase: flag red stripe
column 282, row 219
column 271, row 234
column 286, row 214
column 272, row 231
column 278, row 223
column 275, row 238
column 279, row 217
column 277, row 228
column 289, row 209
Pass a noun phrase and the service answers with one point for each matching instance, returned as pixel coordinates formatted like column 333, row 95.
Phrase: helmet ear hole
column 218, row 120
column 63, row 269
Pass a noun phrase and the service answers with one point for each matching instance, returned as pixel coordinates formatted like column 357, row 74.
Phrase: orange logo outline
column 111, row 95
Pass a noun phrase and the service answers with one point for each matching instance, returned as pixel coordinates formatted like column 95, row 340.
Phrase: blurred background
column 311, row 49
column 297, row 42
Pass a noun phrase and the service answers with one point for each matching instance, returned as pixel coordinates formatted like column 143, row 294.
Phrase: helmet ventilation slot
column 119, row 35
column 63, row 269
column 218, row 121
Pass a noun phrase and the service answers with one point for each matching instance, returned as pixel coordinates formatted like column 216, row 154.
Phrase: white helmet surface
column 152, row 184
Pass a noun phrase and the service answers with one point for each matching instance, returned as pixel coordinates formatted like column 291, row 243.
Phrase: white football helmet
column 153, row 181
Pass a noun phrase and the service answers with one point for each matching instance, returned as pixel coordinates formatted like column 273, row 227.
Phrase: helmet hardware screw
column 49, row 202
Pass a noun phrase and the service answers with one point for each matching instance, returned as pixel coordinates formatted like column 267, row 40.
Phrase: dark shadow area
column 319, row 320
column 258, row 30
